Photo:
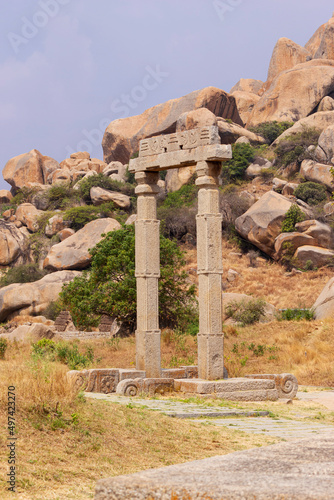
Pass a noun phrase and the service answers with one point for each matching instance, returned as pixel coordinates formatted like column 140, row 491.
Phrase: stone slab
column 130, row 373
column 183, row 158
column 298, row 470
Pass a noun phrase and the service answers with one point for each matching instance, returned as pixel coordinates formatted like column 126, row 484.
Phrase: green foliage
column 293, row 215
column 60, row 196
column 5, row 206
column 193, row 327
column 296, row 314
column 65, row 353
column 184, row 197
column 242, row 157
column 311, row 192
column 103, row 181
column 53, row 310
column 294, row 147
column 26, row 273
column 177, row 222
column 271, row 130
column 24, row 195
column 129, row 176
column 80, row 216
column 3, row 347
column 246, row 312
column 110, row 286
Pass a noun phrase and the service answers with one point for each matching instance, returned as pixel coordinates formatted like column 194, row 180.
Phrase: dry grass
column 268, row 280
column 62, row 450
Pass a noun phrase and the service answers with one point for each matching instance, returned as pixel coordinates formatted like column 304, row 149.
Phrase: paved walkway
column 243, row 420
column 325, row 397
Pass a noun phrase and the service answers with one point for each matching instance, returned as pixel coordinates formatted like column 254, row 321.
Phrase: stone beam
column 181, row 158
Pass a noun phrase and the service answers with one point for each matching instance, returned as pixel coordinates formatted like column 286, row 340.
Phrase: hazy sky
column 69, row 67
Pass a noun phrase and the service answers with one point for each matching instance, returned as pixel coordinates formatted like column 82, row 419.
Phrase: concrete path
column 325, row 397
column 298, row 470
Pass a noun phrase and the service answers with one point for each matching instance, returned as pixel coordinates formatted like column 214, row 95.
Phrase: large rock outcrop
column 326, row 143
column 286, row 55
column 321, row 44
column 13, row 244
column 32, row 298
column 324, row 305
column 245, row 103
column 318, row 256
column 73, row 252
column 295, row 93
column 121, row 138
column 261, row 224
column 317, row 172
column 247, row 85
column 319, row 121
column 29, row 169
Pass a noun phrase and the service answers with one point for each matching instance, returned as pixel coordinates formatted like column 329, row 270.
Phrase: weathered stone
column 73, row 253
column 13, row 244
column 321, row 44
column 269, row 311
column 261, row 224
column 326, row 104
column 54, row 225
column 121, row 138
column 113, row 168
column 150, row 386
column 289, row 188
column 197, row 118
column 278, row 184
column 99, row 195
column 5, row 196
column 322, row 233
column 328, row 208
column 131, row 220
column 285, row 383
column 63, row 321
column 230, row 132
column 178, row 177
column 295, row 93
column 8, row 213
column 79, row 379
column 61, row 176
column 28, row 169
column 290, row 242
column 106, row 323
column 81, row 155
column 77, row 185
column 324, row 305
column 247, row 85
column 65, row 233
column 317, row 172
column 232, row 275
column 286, row 55
column 242, row 140
column 317, row 255
column 245, row 102
column 320, row 121
column 255, row 169
column 32, row 298
column 326, row 142
column 28, row 215
column 103, row 380
column 30, row 333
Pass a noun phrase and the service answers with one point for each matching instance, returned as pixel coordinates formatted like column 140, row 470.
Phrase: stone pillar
column 147, row 275
column 209, row 269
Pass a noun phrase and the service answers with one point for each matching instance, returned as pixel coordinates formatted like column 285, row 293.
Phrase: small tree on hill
column 110, row 285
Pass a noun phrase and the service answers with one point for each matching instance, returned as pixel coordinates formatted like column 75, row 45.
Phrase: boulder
column 230, row 132
column 116, row 168
column 61, row 176
column 54, row 225
column 28, row 169
column 196, row 118
column 255, row 168
column 228, row 298
column 321, row 45
column 99, row 195
column 326, row 143
column 121, row 138
column 328, row 208
column 242, row 140
column 80, row 155
column 324, row 305
column 317, row 255
column 73, row 252
column 131, row 220
column 290, row 242
column 77, row 185
column 289, row 188
column 286, row 55
column 32, row 298
column 317, row 172
column 245, row 103
column 278, row 184
column 295, row 93
column 247, row 85
column 322, row 233
column 178, row 177
column 320, row 121
column 30, row 333
column 5, row 196
column 326, row 104
column 13, row 244
column 28, row 214
column 261, row 224
column 65, row 233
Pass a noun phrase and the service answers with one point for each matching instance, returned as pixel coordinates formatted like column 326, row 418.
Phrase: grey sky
column 63, row 81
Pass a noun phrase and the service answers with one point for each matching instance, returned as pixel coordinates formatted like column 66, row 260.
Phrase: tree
column 109, row 287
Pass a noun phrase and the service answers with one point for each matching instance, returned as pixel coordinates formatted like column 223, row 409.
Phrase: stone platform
column 298, row 470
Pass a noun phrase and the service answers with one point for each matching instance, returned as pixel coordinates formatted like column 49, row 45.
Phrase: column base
column 148, row 352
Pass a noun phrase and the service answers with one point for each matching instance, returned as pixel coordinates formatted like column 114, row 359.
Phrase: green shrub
column 177, row 222
column 26, row 273
column 294, row 147
column 80, row 216
column 5, row 206
column 65, row 353
column 59, row 196
column 242, row 157
column 311, row 192
column 53, row 310
column 246, row 312
column 24, row 195
column 110, row 286
column 291, row 218
column 3, row 347
column 271, row 130
column 296, row 314
column 184, row 197
column 103, row 181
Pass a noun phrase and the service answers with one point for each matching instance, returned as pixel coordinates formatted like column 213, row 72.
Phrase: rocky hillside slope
column 276, row 193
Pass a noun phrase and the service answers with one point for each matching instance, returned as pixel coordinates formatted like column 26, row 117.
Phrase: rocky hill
column 276, row 192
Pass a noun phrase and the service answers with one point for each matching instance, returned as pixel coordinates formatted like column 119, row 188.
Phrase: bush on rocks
column 294, row 148
column 271, row 130
column 242, row 156
column 293, row 215
column 26, row 273
column 311, row 192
